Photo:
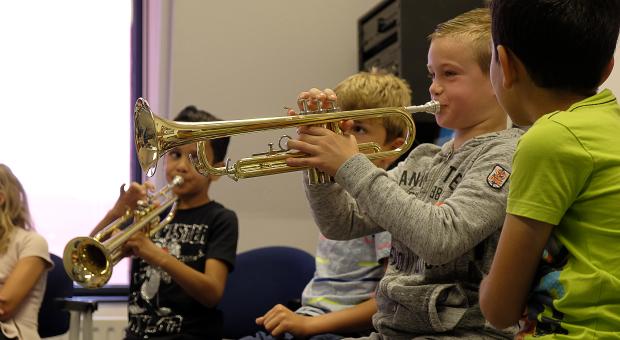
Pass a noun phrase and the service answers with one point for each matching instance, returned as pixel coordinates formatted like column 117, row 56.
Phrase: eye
column 358, row 129
column 430, row 75
column 449, row 73
column 174, row 154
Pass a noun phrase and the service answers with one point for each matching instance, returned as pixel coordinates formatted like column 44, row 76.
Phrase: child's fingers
column 313, row 130
column 302, row 146
column 310, row 162
column 273, row 323
column 260, row 320
column 301, row 97
column 346, row 125
column 149, row 186
column 279, row 330
column 330, row 94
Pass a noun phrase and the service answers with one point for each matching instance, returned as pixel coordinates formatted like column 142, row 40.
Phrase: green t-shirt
column 566, row 172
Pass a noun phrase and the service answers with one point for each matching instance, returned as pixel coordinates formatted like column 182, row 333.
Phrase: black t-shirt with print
column 158, row 307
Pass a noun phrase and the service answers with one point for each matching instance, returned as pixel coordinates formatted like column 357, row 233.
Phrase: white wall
column 247, row 59
column 613, row 82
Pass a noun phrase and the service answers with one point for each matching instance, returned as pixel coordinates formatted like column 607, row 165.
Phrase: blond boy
column 443, row 206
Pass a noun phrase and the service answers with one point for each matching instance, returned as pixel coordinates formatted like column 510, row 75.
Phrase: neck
column 542, row 101
column 497, row 122
column 193, row 202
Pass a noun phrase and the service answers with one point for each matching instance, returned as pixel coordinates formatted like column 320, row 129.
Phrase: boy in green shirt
column 549, row 59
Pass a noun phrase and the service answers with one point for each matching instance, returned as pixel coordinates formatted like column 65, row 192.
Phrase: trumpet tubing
column 155, row 136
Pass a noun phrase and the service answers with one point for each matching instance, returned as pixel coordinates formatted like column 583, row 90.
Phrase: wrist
column 116, row 212
column 162, row 259
column 312, row 325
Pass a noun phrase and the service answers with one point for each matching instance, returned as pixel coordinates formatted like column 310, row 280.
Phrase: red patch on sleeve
column 498, row 177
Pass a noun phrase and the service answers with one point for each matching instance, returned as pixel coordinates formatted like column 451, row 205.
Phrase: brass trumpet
column 155, row 136
column 89, row 260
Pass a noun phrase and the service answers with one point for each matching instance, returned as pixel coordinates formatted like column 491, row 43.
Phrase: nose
column 183, row 164
column 435, row 89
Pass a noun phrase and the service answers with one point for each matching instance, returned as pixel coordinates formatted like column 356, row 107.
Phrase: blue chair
column 53, row 320
column 262, row 278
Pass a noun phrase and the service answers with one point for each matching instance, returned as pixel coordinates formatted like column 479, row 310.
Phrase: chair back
column 53, row 320
column 262, row 278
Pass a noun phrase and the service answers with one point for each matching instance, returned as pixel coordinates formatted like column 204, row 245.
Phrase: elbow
column 211, row 300
column 439, row 252
column 7, row 310
column 210, row 303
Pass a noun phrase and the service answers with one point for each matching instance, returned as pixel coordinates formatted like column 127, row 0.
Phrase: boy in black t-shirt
column 178, row 277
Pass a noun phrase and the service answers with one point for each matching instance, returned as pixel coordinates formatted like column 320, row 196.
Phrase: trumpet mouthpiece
column 431, row 107
column 177, row 181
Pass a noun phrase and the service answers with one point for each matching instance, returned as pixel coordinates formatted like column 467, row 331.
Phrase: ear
column 607, row 70
column 507, row 64
column 396, row 143
column 214, row 178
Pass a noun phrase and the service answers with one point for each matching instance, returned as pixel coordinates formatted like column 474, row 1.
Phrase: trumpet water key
column 89, row 260
column 155, row 136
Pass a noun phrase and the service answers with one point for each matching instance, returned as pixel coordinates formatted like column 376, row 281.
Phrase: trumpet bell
column 86, row 262
column 145, row 133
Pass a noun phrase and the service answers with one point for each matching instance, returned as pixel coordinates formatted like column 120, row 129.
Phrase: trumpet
column 89, row 260
column 155, row 136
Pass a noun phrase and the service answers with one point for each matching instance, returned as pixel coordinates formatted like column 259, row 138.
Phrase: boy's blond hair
column 375, row 89
column 14, row 212
column 474, row 25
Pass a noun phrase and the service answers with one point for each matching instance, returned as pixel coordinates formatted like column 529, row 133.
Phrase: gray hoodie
column 444, row 209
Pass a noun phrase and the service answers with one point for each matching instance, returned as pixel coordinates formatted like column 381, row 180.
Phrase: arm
column 551, row 168
column 280, row 320
column 18, row 285
column 205, row 287
column 374, row 199
column 438, row 233
column 333, row 207
column 503, row 293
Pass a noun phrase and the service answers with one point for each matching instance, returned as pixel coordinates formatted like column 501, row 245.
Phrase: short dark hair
column 193, row 114
column 563, row 44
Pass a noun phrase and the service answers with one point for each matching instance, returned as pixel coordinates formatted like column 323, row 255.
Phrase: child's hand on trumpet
column 128, row 199
column 142, row 246
column 327, row 150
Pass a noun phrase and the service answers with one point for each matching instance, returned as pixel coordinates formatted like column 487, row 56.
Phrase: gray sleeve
column 436, row 233
column 336, row 213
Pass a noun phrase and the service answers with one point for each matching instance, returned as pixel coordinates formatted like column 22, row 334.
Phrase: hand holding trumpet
column 327, row 150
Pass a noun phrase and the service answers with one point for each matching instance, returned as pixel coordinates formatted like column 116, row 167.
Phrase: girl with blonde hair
column 24, row 259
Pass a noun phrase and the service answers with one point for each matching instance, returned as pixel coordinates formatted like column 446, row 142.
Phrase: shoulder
column 497, row 147
column 548, row 136
column 221, row 211
column 221, row 214
column 425, row 149
column 30, row 238
column 506, row 139
column 30, row 243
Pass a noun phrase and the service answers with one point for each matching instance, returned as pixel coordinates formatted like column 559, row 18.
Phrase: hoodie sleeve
column 437, row 232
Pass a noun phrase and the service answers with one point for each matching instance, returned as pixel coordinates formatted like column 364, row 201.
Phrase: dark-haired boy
column 179, row 276
column 549, row 59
